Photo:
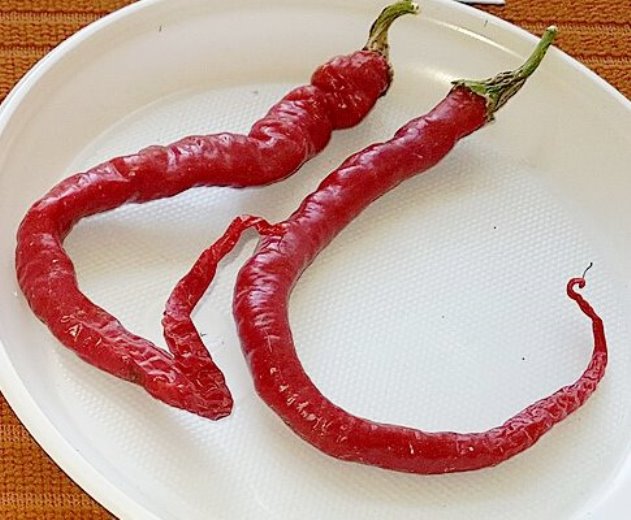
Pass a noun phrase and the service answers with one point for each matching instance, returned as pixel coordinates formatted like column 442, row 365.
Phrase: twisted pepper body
column 340, row 94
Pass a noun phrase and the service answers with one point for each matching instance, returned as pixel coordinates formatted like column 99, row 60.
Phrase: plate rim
column 15, row 391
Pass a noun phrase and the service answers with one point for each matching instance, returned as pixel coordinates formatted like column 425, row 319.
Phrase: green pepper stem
column 499, row 89
column 378, row 37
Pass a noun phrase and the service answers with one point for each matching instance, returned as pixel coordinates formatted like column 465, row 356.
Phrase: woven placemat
column 32, row 487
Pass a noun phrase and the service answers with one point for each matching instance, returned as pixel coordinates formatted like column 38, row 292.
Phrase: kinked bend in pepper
column 340, row 95
column 287, row 248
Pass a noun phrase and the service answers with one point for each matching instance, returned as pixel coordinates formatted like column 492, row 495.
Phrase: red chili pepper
column 286, row 249
column 340, row 95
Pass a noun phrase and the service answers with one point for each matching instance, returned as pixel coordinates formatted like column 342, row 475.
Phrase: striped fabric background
column 596, row 32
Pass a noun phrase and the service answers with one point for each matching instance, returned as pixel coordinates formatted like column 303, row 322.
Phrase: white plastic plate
column 441, row 307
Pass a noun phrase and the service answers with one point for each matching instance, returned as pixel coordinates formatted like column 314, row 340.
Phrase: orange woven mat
column 597, row 32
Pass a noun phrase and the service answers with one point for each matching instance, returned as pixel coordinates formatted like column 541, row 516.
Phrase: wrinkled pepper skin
column 340, row 95
column 286, row 249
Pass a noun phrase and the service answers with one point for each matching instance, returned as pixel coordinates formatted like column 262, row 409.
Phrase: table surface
column 32, row 487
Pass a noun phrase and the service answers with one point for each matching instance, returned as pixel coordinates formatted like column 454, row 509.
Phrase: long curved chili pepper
column 287, row 248
column 340, row 95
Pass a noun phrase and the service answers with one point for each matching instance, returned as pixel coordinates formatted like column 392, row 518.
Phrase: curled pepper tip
column 578, row 282
column 573, row 284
